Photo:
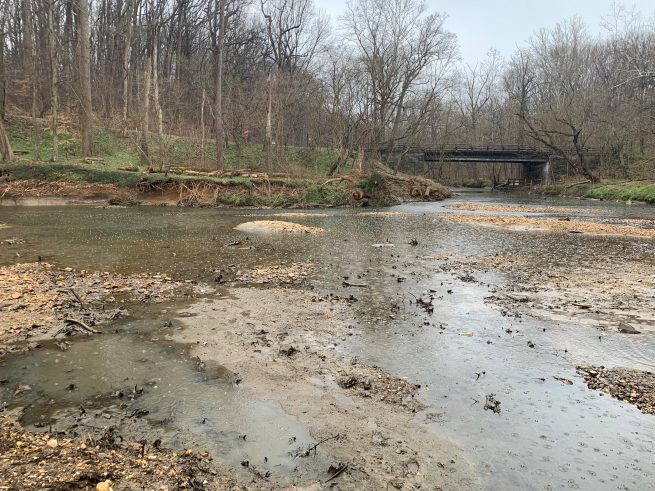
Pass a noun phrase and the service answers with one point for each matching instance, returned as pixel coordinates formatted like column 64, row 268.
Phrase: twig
column 338, row 473
column 356, row 285
column 82, row 325
column 77, row 297
column 308, row 450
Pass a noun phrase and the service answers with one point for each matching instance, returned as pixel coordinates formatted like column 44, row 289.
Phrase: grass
column 611, row 191
column 623, row 192
column 113, row 152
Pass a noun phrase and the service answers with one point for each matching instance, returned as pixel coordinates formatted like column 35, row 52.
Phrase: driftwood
column 74, row 324
column 338, row 179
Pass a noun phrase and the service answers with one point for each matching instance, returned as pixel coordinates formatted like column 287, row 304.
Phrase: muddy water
column 548, row 435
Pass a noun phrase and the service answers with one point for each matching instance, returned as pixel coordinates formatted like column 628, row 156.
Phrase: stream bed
column 549, row 434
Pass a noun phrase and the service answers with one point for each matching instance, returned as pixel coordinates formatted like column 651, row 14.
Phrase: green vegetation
column 114, row 152
column 617, row 191
column 371, row 183
column 624, row 192
column 300, row 182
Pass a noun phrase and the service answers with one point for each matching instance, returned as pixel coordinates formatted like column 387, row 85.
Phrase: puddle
column 187, row 408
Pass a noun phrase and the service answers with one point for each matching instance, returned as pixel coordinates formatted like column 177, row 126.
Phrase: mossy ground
column 612, row 191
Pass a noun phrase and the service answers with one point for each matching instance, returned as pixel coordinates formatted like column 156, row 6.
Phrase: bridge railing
column 449, row 149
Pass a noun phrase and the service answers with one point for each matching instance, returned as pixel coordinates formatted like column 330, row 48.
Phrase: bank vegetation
column 227, row 76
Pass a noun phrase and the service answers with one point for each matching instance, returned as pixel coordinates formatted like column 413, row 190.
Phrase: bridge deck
column 520, row 154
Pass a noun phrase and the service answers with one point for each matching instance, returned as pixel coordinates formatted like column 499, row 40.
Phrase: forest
column 282, row 74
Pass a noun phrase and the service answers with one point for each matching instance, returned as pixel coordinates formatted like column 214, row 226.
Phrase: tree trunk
column 280, row 138
column 127, row 51
column 202, row 129
column 68, row 58
column 5, row 146
column 269, row 129
column 54, row 97
column 3, row 80
column 30, row 70
column 84, row 77
column 145, row 123
column 280, row 130
column 220, row 124
column 155, row 87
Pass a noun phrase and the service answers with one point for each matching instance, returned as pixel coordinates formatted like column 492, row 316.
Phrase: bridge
column 534, row 160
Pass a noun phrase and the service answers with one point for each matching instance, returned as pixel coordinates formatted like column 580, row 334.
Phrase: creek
column 548, row 435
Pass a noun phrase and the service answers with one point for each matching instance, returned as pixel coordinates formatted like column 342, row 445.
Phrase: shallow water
column 204, row 410
column 547, row 436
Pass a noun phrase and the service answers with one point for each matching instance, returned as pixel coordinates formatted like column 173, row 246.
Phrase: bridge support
column 536, row 172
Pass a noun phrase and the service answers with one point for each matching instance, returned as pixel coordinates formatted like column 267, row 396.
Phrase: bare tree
column 3, row 78
column 29, row 67
column 478, row 91
column 294, row 33
column 128, row 28
column 406, row 53
column 565, row 95
column 84, row 76
column 223, row 10
column 54, row 80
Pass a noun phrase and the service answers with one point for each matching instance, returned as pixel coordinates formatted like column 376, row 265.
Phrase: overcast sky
column 504, row 24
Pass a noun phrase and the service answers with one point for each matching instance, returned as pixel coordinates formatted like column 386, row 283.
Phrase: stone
column 104, row 486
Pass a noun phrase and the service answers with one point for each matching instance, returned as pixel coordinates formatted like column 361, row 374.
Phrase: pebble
column 104, row 486
column 52, row 443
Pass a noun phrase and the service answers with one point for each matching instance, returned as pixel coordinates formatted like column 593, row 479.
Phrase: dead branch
column 308, row 450
column 82, row 325
column 77, row 297
column 339, row 471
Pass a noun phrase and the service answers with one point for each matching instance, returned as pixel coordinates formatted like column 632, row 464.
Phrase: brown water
column 547, row 436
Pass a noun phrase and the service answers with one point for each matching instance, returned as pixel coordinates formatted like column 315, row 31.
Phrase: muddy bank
column 132, row 188
column 630, row 386
column 40, row 301
column 15, row 191
column 362, row 415
column 57, row 460
column 277, row 275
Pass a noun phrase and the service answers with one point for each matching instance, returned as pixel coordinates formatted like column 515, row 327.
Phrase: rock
column 104, row 486
column 491, row 403
column 626, row 328
column 52, row 443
